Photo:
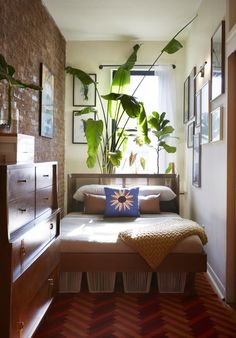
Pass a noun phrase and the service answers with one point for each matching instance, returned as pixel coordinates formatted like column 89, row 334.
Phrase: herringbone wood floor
column 122, row 315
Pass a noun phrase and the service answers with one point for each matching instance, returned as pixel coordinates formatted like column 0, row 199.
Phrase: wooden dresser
column 29, row 240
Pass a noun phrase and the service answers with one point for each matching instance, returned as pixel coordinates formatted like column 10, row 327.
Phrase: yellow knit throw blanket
column 154, row 243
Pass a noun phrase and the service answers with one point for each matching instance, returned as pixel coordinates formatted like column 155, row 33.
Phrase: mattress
column 83, row 233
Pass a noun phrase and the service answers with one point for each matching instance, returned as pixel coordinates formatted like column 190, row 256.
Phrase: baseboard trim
column 216, row 282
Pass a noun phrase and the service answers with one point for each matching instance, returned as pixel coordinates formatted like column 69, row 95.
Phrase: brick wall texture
column 28, row 37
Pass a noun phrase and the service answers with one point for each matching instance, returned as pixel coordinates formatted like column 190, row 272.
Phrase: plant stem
column 9, row 104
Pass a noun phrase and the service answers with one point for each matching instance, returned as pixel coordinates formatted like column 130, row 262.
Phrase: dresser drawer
column 29, row 246
column 44, row 176
column 20, row 181
column 43, row 200
column 21, row 211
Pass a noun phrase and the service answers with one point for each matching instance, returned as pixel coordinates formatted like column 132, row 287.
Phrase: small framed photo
column 205, row 101
column 186, row 101
column 218, row 61
column 196, row 170
column 198, row 109
column 78, row 135
column 192, row 93
column 190, row 134
column 216, row 125
column 46, row 102
column 83, row 95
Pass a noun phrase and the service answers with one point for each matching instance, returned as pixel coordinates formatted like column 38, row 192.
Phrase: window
column 146, row 93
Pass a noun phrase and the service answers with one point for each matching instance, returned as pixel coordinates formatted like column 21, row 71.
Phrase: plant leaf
column 169, row 149
column 19, row 84
column 129, row 103
column 142, row 125
column 93, row 131
column 132, row 158
column 81, row 75
column 169, row 168
column 115, row 157
column 85, row 111
column 172, row 47
column 143, row 162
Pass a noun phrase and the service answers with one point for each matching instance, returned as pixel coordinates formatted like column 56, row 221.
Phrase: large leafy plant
column 7, row 75
column 162, row 130
column 106, row 134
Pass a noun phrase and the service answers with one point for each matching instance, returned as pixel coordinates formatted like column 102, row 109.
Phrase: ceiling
column 144, row 20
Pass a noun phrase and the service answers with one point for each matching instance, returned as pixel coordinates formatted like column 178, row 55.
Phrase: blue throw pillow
column 121, row 202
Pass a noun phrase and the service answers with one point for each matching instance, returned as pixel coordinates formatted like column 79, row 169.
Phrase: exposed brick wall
column 28, row 37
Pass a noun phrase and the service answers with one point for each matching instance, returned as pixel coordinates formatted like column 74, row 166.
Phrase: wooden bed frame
column 126, row 262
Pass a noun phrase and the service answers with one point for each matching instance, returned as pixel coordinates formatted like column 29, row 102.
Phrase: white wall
column 207, row 205
column 88, row 56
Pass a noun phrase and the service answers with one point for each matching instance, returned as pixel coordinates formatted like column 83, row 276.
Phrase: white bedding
column 92, row 233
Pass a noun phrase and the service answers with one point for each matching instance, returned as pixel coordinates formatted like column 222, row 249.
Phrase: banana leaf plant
column 7, row 75
column 162, row 130
column 106, row 134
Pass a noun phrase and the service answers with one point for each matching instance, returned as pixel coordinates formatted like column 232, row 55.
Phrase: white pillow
column 166, row 193
column 95, row 189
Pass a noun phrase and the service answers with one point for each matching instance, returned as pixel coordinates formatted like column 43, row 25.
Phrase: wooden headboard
column 125, row 180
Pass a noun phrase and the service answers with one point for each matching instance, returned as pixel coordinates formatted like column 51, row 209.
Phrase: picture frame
column 46, row 101
column 84, row 96
column 186, row 101
column 196, row 169
column 218, row 61
column 216, row 125
column 191, row 129
column 192, row 93
column 198, row 109
column 205, row 103
column 78, row 136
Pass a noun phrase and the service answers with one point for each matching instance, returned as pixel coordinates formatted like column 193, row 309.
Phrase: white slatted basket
column 171, row 282
column 101, row 281
column 137, row 282
column 70, row 281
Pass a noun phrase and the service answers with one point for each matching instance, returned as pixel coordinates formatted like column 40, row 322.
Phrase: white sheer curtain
column 166, row 102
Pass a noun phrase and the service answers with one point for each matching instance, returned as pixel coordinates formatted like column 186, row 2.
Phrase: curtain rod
column 102, row 66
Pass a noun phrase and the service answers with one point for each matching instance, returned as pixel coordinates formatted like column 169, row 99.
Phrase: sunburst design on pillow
column 122, row 200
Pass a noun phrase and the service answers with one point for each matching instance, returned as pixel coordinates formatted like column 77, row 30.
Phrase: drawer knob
column 46, row 175
column 46, row 198
column 22, row 209
column 21, row 181
column 51, row 226
column 20, row 325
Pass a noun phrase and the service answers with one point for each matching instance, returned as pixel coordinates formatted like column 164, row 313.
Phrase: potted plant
column 105, row 131
column 7, row 75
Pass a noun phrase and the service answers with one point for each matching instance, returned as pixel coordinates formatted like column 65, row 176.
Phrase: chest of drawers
column 29, row 239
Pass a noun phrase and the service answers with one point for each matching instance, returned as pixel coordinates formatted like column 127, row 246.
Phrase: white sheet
column 93, row 233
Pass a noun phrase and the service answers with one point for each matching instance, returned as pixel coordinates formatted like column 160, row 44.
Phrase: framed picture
column 205, row 113
column 198, row 109
column 46, row 102
column 190, row 134
column 216, row 125
column 218, row 61
column 192, row 93
column 78, row 135
column 83, row 95
column 196, row 170
column 186, row 101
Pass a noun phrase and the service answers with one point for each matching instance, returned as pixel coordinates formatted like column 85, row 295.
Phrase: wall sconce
column 201, row 70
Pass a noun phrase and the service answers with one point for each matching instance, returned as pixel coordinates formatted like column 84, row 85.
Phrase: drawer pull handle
column 22, row 251
column 20, row 325
column 51, row 281
column 21, row 181
column 46, row 175
column 46, row 198
column 51, row 226
column 22, row 209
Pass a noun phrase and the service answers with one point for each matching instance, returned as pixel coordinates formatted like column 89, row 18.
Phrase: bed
column 91, row 243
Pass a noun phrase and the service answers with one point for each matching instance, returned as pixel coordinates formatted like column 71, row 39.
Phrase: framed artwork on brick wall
column 46, row 102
